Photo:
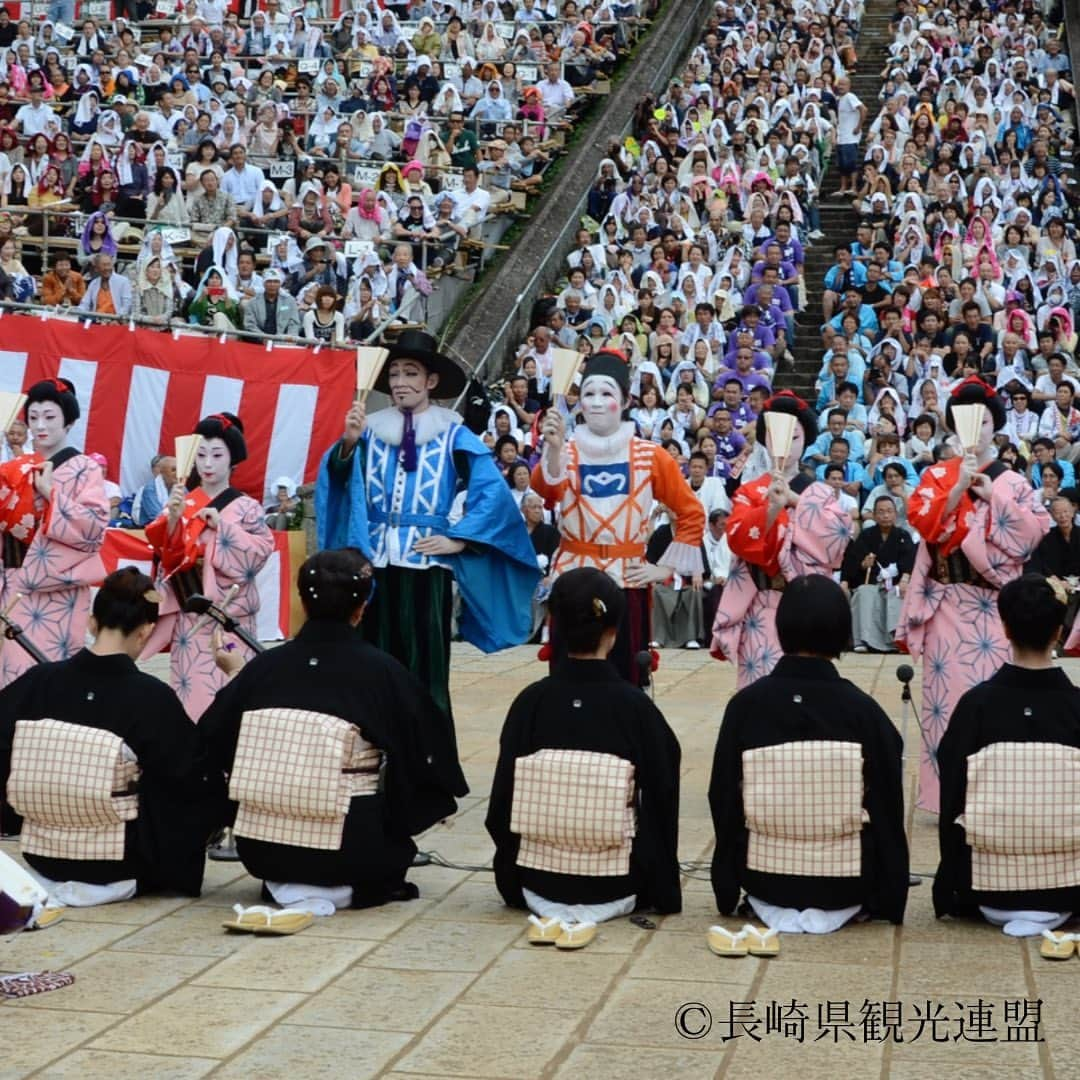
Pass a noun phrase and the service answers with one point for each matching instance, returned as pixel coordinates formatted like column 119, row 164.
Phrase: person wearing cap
column 782, row 524
column 273, row 311
column 605, row 482
column 388, row 487
column 53, row 524
column 979, row 522
column 319, row 267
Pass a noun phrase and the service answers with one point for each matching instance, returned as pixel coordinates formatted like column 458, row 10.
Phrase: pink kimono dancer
column 813, row 542
column 234, row 553
column 60, row 565
column 955, row 629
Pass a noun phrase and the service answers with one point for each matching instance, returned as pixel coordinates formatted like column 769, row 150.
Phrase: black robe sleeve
column 952, row 882
column 725, row 802
column 905, row 555
column 511, row 746
column 656, row 847
column 851, row 571
column 887, row 877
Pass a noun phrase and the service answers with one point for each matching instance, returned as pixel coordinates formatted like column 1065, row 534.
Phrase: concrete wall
column 496, row 321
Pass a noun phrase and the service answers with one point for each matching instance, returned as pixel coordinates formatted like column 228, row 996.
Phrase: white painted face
column 213, row 461
column 47, row 429
column 601, row 404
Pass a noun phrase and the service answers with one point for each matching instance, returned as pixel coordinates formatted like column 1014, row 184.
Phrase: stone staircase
column 838, row 220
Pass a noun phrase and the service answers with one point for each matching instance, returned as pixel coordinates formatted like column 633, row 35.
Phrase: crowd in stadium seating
column 961, row 258
column 305, row 173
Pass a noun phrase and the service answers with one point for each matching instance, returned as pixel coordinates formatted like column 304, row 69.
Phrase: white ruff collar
column 388, row 425
column 613, row 447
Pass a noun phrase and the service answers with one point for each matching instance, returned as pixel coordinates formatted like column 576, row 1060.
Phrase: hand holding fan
column 369, row 362
column 187, row 446
column 11, row 407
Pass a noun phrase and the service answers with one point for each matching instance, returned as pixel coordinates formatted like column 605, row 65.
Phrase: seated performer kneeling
column 97, row 716
column 806, row 790
column 330, row 692
column 1010, row 769
column 585, row 737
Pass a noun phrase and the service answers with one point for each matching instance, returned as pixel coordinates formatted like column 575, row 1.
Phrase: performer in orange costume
column 605, row 482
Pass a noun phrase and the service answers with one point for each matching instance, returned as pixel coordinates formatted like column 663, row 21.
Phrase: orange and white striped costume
column 605, row 493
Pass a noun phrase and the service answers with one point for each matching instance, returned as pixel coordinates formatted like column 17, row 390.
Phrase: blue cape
column 496, row 582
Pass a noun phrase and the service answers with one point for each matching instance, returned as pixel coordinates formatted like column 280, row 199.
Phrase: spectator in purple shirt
column 762, row 338
column 731, row 399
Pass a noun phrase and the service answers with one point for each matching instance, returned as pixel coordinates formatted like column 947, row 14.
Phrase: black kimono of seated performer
column 806, row 699
column 328, row 668
column 1014, row 705
column 165, row 846
column 587, row 705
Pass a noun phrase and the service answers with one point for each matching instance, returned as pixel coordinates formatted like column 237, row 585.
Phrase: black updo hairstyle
column 227, row 427
column 814, row 617
column 973, row 391
column 60, row 392
column 333, row 584
column 1031, row 612
column 787, row 402
column 583, row 604
column 126, row 601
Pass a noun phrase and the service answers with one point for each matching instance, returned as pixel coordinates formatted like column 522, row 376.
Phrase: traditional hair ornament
column 152, row 596
column 223, row 420
column 787, row 395
column 599, row 607
column 973, row 380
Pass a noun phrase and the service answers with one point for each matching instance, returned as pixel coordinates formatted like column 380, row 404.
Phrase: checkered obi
column 1022, row 817
column 294, row 774
column 75, row 789
column 803, row 807
column 574, row 811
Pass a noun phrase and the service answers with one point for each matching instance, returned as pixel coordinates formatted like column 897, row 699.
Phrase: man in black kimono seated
column 802, row 753
column 613, row 730
column 1036, row 886
column 330, row 670
column 164, row 847
column 876, row 571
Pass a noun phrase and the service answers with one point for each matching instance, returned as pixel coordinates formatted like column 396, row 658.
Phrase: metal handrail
column 179, row 328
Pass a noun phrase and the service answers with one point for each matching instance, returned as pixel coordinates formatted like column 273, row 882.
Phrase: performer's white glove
column 645, row 574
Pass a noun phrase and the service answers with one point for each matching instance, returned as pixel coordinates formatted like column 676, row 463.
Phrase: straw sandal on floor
column 723, row 942
column 761, row 943
column 1057, row 946
column 544, row 931
column 271, row 921
column 49, row 916
column 576, row 936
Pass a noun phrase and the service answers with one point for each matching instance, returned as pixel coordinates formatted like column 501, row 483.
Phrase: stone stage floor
column 445, row 986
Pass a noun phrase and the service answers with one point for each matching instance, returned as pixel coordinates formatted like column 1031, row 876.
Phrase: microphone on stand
column 905, row 673
column 197, row 604
column 643, row 659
